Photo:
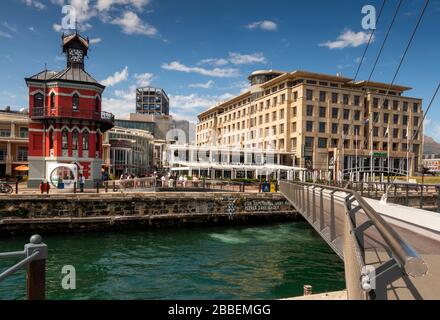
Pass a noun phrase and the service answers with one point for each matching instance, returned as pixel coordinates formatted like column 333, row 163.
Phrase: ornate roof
column 70, row 74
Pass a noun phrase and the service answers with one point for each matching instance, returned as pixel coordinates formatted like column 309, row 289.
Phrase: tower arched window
column 52, row 100
column 38, row 100
column 75, row 101
column 75, row 134
column 98, row 142
column 85, row 140
column 65, row 139
column 97, row 104
column 50, row 139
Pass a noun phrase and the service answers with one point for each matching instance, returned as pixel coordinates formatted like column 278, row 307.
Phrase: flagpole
column 407, row 153
column 371, row 148
column 357, row 144
column 388, row 151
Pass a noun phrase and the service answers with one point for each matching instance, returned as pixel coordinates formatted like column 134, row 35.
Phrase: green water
column 263, row 262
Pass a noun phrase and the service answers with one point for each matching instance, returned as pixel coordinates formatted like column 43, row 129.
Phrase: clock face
column 75, row 55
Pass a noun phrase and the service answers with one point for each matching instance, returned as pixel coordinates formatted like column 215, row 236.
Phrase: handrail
column 411, row 263
column 18, row 265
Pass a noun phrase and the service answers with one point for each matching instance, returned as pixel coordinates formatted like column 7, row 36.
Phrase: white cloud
column 9, row 27
column 207, row 85
column 5, row 35
column 348, row 39
column 265, row 25
column 34, row 3
column 215, row 62
column 105, row 5
column 116, row 78
column 216, row 72
column 194, row 102
column 144, row 79
column 132, row 24
column 237, row 58
column 95, row 40
column 32, row 29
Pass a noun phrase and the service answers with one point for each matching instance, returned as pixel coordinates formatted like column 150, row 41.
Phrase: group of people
column 174, row 181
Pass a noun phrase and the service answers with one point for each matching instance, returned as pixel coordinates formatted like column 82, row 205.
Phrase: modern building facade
column 128, row 151
column 151, row 100
column 320, row 122
column 14, row 141
column 66, row 120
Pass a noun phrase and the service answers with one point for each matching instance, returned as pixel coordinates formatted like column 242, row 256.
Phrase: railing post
column 407, row 195
column 36, row 269
column 438, row 198
column 106, row 186
column 332, row 217
column 74, row 187
column 321, row 211
column 114, row 186
column 314, row 206
column 421, row 197
column 97, row 187
column 308, row 201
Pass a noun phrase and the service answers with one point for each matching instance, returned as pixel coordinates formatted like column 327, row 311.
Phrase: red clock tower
column 67, row 122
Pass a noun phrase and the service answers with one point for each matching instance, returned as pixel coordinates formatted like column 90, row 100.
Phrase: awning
column 22, row 168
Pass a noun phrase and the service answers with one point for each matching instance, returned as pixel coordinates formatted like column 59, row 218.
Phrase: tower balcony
column 107, row 119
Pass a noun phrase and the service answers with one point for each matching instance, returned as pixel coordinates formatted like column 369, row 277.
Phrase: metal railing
column 345, row 220
column 35, row 255
column 38, row 113
column 152, row 184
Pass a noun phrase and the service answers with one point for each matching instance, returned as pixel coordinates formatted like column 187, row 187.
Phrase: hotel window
column 50, row 139
column 415, row 107
column 385, row 104
column 335, row 113
column 405, row 106
column 322, row 143
column 386, row 117
column 395, row 104
column 346, row 129
column 267, row 104
column 322, row 127
column 396, row 119
column 274, row 130
column 395, row 133
column 334, row 97
column 282, row 114
column 24, row 132
column 357, row 100
column 293, row 142
column 375, row 131
column 266, row 116
column 308, row 142
column 385, row 132
column 322, row 96
column 283, row 98
column 75, row 102
column 260, row 121
column 416, row 121
column 274, row 116
column 405, row 120
column 309, row 94
column 357, row 115
column 295, row 96
column 357, row 129
column 395, row 146
column 346, row 144
column 22, row 154
column 334, row 143
column 335, row 128
column 322, row 112
column 275, row 101
column 65, row 139
column 346, row 114
column 294, row 111
column 310, row 111
column 346, row 98
column 5, row 132
column 281, row 128
column 375, row 102
column 404, row 134
column 294, row 127
column 309, row 126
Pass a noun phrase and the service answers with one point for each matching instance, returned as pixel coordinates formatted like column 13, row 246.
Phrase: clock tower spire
column 75, row 47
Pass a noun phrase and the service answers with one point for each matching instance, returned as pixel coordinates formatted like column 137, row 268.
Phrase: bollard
column 308, row 290
column 74, row 187
column 97, row 187
column 16, row 187
column 114, row 186
column 36, row 269
column 106, row 186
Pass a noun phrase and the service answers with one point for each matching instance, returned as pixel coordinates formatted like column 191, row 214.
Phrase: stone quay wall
column 86, row 212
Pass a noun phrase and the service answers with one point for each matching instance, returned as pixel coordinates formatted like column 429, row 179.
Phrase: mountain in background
column 431, row 146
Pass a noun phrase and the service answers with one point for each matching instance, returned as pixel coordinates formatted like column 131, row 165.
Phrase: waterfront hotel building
column 319, row 122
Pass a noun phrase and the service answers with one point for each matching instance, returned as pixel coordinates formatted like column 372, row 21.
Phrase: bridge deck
column 424, row 237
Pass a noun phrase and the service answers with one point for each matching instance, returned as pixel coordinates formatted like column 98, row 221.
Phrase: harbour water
column 250, row 262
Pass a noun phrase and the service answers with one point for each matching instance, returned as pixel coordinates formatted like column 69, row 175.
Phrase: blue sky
column 201, row 51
